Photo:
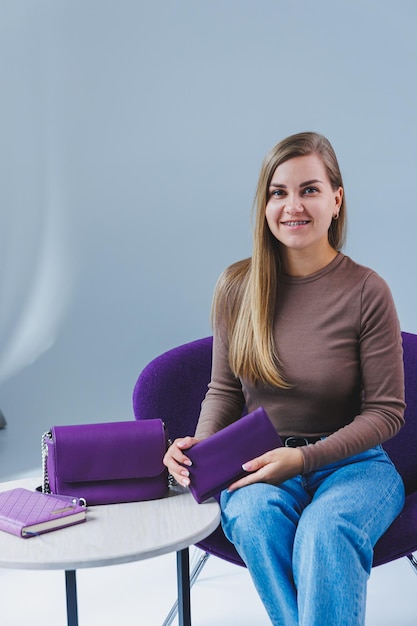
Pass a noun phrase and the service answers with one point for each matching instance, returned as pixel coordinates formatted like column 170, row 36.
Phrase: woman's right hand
column 175, row 459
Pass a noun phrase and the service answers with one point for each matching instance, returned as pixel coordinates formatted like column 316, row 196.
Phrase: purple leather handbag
column 106, row 463
column 217, row 461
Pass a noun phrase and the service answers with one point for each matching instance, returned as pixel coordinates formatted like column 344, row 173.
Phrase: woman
column 314, row 338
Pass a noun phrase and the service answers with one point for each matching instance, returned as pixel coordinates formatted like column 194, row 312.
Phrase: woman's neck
column 301, row 263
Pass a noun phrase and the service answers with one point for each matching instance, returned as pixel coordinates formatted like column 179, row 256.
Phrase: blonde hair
column 246, row 293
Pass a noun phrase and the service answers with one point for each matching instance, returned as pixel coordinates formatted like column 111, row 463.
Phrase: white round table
column 114, row 534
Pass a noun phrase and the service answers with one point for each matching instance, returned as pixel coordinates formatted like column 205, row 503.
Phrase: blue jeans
column 308, row 543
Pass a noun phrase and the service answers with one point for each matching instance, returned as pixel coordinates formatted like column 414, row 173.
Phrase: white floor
column 141, row 594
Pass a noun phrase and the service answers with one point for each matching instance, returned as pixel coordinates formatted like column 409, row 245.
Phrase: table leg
column 71, row 589
column 183, row 582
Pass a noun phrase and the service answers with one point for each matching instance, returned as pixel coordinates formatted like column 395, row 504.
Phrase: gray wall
column 132, row 134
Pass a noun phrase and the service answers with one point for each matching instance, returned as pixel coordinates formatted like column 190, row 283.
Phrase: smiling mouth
column 299, row 223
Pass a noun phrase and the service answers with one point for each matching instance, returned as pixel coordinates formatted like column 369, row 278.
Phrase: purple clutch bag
column 107, row 463
column 217, row 461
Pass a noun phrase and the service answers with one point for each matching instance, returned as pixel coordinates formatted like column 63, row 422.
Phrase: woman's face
column 301, row 204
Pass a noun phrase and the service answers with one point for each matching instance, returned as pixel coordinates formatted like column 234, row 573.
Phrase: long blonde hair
column 246, row 293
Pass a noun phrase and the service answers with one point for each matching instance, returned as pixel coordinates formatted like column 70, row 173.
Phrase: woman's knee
column 260, row 510
column 246, row 506
column 324, row 534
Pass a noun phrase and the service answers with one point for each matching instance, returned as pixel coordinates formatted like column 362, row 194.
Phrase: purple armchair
column 174, row 384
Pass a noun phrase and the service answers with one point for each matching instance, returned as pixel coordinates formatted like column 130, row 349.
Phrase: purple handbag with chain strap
column 217, row 461
column 106, row 463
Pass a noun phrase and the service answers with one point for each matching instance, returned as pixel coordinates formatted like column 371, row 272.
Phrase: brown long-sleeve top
column 338, row 338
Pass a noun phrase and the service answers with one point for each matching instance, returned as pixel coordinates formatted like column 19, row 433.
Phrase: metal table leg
column 195, row 572
column 413, row 562
column 183, row 583
column 71, row 589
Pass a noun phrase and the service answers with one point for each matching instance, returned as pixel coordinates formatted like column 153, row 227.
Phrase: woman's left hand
column 273, row 467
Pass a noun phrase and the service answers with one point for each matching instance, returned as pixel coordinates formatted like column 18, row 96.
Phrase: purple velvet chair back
column 174, row 384
column 402, row 448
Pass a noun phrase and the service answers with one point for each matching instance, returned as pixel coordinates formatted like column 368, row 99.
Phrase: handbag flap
column 109, row 451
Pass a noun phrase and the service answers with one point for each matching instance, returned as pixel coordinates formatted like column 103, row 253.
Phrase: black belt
column 296, row 442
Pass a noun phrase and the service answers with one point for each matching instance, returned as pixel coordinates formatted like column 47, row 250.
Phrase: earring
column 335, row 216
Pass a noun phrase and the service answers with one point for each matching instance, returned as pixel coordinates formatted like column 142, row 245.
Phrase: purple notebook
column 217, row 461
column 29, row 513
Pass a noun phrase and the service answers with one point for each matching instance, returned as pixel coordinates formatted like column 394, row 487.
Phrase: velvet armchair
column 173, row 385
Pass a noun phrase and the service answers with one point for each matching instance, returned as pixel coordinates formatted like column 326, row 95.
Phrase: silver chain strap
column 171, row 480
column 45, row 478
